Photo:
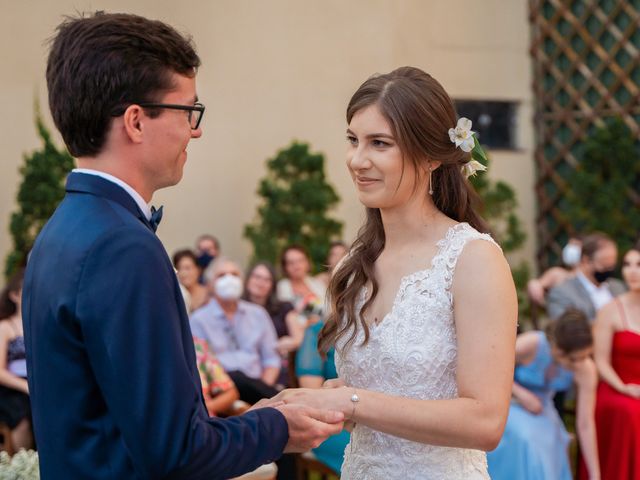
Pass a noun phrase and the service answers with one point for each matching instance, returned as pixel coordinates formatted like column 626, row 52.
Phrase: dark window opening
column 494, row 122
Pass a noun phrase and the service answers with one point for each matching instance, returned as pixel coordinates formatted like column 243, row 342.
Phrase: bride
column 424, row 309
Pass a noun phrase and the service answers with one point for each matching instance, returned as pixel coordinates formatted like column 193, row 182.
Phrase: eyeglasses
column 195, row 112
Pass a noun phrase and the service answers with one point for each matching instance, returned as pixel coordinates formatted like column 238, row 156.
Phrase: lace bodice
column 412, row 352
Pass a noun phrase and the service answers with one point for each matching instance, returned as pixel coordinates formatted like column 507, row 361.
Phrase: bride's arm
column 485, row 312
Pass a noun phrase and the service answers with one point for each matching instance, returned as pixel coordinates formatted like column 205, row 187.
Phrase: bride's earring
column 430, row 180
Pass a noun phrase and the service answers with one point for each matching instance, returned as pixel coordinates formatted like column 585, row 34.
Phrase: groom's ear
column 134, row 119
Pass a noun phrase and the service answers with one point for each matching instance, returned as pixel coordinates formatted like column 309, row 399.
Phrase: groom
column 114, row 388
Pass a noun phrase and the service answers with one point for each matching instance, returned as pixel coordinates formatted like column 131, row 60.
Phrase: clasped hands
column 312, row 414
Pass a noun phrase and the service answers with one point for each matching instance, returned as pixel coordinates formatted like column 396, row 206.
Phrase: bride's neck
column 410, row 223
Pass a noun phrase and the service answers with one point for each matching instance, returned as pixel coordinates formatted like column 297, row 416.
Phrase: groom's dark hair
column 100, row 64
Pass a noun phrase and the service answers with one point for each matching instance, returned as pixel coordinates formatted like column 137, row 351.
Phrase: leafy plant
column 42, row 188
column 296, row 201
column 603, row 194
column 499, row 209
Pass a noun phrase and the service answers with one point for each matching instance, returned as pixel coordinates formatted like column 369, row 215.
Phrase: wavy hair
column 7, row 306
column 420, row 113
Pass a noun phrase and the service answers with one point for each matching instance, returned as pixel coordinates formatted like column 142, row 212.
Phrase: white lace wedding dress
column 412, row 352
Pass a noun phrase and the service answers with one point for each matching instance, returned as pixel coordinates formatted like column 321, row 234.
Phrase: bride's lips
column 365, row 181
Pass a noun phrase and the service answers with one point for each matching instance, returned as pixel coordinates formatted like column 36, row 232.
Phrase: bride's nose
column 357, row 159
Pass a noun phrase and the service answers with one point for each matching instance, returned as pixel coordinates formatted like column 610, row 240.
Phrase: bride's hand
column 266, row 402
column 335, row 398
column 334, row 383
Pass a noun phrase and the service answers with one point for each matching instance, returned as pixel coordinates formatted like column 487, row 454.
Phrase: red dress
column 618, row 415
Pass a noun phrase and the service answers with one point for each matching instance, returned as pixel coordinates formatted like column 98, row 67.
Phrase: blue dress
column 309, row 362
column 534, row 447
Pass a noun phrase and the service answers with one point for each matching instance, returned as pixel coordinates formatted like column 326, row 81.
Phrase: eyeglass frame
column 197, row 107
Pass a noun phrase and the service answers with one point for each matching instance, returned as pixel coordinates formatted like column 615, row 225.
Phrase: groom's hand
column 309, row 427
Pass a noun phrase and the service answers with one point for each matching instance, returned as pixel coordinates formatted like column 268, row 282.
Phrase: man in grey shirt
column 592, row 287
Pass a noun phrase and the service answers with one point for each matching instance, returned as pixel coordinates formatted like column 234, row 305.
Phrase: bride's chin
column 370, row 202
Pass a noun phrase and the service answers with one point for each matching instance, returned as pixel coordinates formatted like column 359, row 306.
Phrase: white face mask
column 228, row 287
column 571, row 254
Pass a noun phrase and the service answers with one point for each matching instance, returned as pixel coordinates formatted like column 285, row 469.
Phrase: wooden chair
column 291, row 370
column 308, row 468
column 265, row 472
column 6, row 444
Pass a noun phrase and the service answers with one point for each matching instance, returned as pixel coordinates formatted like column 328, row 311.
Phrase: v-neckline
column 440, row 244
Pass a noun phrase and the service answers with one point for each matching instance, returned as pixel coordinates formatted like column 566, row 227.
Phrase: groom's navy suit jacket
column 112, row 373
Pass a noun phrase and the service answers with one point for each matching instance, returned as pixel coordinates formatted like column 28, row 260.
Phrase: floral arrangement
column 309, row 309
column 23, row 465
column 467, row 141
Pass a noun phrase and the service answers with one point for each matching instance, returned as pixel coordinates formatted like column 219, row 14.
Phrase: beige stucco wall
column 277, row 70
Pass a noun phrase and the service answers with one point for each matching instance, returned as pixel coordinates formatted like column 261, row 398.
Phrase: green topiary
column 603, row 189
column 43, row 175
column 498, row 208
column 296, row 200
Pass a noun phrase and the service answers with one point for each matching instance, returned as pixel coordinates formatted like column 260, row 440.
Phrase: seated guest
column 617, row 354
column 207, row 249
column 592, row 287
column 537, row 288
column 186, row 263
column 240, row 333
column 337, row 251
column 218, row 389
column 534, row 444
column 260, row 288
column 298, row 287
column 15, row 408
column 312, row 370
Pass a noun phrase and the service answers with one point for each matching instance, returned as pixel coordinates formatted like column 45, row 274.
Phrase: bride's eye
column 352, row 140
column 380, row 143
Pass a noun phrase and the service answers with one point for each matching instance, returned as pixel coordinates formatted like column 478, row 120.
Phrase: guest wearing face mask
column 592, row 287
column 207, row 249
column 240, row 333
column 538, row 287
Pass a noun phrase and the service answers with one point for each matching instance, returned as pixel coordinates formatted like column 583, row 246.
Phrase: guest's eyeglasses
column 196, row 111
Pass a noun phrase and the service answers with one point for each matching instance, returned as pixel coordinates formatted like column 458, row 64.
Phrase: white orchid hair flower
column 470, row 168
column 462, row 135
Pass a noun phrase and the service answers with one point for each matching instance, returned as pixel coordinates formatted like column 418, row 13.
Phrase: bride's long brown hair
column 420, row 113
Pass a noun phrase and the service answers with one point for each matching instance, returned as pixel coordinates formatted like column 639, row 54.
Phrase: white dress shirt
column 144, row 207
column 600, row 295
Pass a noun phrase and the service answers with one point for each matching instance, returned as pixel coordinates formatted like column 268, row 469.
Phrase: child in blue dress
column 535, row 442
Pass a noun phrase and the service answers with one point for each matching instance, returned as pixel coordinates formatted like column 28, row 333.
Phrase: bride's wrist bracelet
column 354, row 401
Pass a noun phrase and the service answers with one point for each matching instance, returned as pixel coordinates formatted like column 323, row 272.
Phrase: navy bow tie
column 156, row 216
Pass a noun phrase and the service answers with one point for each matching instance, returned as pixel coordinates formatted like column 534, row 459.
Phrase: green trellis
column 586, row 59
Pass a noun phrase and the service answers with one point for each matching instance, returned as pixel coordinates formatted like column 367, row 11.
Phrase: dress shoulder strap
column 453, row 244
column 622, row 313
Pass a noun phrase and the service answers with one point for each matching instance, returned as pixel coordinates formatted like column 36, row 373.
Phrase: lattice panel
column 586, row 60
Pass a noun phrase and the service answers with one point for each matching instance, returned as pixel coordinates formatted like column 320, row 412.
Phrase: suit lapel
column 95, row 185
